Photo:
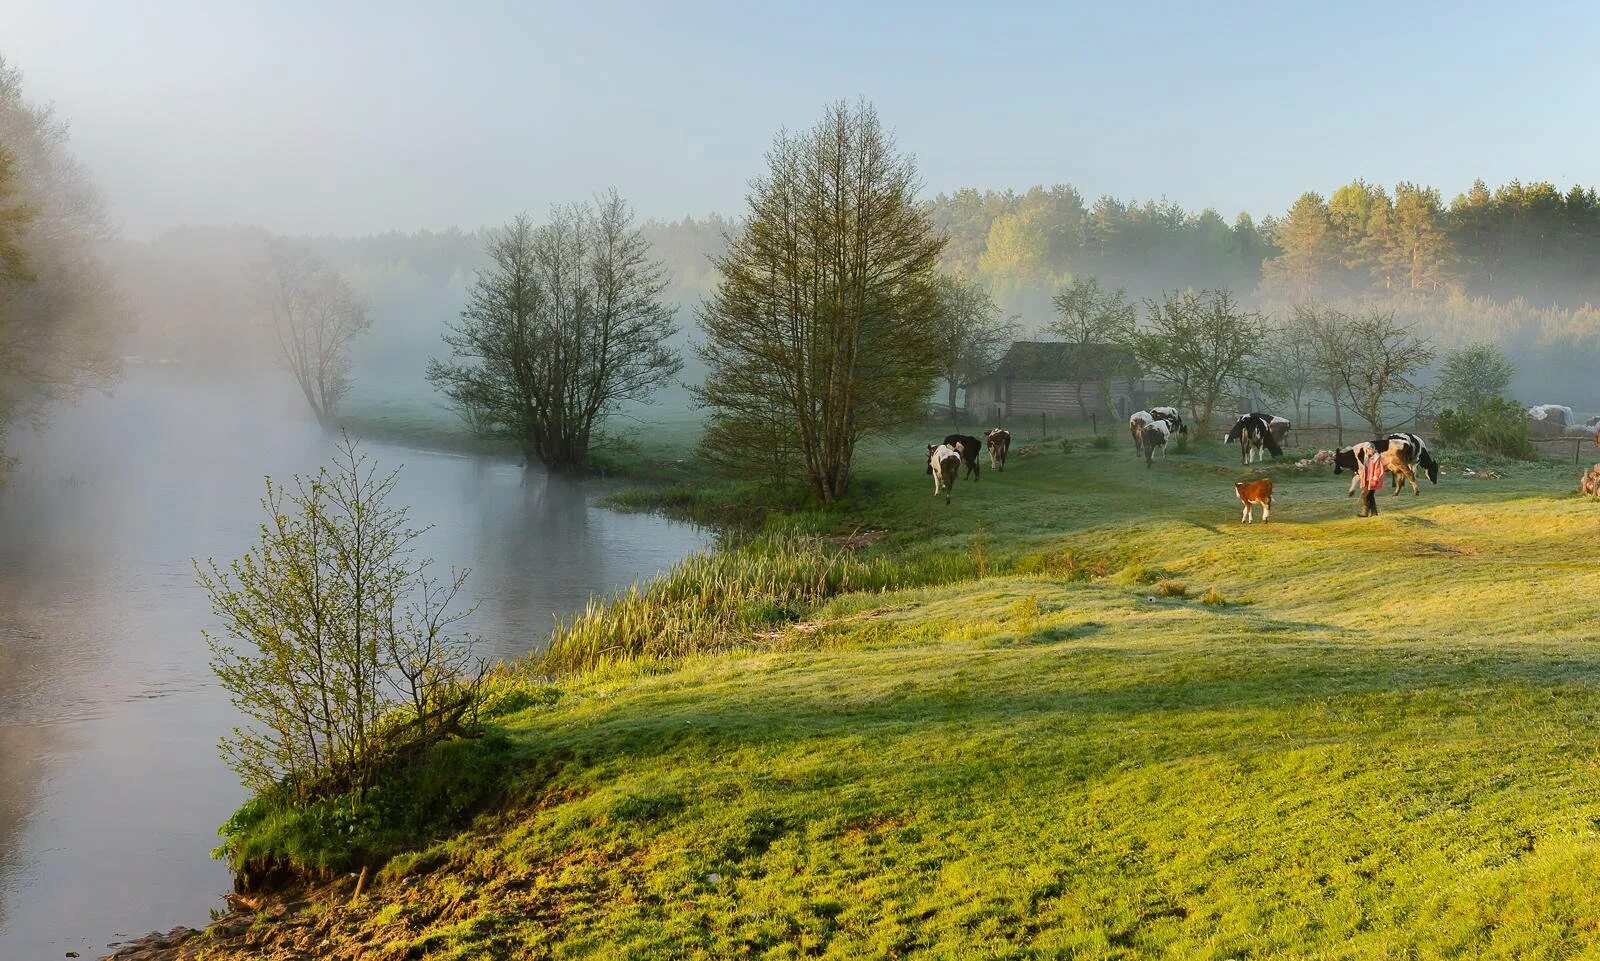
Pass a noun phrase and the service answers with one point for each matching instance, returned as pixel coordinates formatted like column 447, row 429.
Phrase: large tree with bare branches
column 566, row 325
column 315, row 315
column 823, row 327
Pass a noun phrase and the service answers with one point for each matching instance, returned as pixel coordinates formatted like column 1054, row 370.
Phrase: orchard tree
column 1087, row 314
column 1203, row 346
column 976, row 334
column 565, row 326
column 1367, row 360
column 819, row 331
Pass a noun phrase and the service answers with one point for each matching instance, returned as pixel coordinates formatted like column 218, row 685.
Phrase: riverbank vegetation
column 1083, row 726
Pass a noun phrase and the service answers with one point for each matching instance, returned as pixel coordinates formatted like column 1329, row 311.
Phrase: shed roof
column 1054, row 360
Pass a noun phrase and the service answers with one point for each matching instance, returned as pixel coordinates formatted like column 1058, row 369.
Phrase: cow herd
column 1396, row 455
column 962, row 450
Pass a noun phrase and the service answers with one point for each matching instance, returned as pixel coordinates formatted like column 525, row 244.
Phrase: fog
column 153, row 154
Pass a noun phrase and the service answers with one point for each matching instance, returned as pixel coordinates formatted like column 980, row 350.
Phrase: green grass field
column 1146, row 731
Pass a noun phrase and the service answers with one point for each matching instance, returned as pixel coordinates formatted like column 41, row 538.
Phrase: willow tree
column 822, row 328
column 565, row 326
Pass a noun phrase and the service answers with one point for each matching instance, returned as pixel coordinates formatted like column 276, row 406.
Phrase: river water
column 110, row 785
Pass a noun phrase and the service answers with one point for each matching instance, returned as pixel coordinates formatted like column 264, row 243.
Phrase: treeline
column 1531, row 241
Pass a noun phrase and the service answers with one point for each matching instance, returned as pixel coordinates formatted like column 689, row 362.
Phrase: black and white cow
column 1352, row 459
column 970, row 449
column 1410, row 452
column 1254, row 434
column 1170, row 415
column 998, row 440
column 1152, row 436
column 944, row 463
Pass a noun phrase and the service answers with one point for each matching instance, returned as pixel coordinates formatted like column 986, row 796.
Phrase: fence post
column 1094, row 424
column 1043, row 432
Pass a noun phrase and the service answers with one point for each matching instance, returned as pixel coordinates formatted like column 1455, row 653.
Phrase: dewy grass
column 1384, row 745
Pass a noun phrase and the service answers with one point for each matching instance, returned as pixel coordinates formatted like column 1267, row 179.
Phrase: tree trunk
column 952, row 382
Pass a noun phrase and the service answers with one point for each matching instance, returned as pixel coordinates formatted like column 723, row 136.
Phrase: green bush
column 1101, row 442
column 1498, row 428
column 1181, row 445
column 1066, row 445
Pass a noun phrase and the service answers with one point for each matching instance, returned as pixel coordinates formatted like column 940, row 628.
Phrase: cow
column 1254, row 434
column 1277, row 426
column 1408, row 453
column 998, row 440
column 1170, row 415
column 1255, row 492
column 944, row 463
column 1589, row 483
column 1351, row 459
column 969, row 448
column 1153, row 435
column 1136, row 423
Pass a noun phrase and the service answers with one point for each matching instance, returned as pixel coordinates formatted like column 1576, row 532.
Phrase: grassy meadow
column 1080, row 712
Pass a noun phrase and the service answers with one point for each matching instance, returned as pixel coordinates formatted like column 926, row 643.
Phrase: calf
column 1136, row 423
column 998, row 440
column 969, row 448
column 1255, row 492
column 1151, row 436
column 944, row 463
column 1254, row 434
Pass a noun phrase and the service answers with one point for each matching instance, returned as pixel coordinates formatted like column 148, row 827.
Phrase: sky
column 355, row 117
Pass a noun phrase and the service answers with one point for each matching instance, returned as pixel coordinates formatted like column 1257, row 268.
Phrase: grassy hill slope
column 1148, row 731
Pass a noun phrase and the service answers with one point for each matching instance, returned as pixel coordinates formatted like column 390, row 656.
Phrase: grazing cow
column 1153, row 435
column 1351, row 459
column 1589, row 483
column 944, row 463
column 1254, row 434
column 1410, row 452
column 970, row 449
column 1277, row 426
column 1255, row 492
column 998, row 440
column 1170, row 415
column 1136, row 423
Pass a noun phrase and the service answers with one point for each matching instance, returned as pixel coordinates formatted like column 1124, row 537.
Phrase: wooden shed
column 1061, row 380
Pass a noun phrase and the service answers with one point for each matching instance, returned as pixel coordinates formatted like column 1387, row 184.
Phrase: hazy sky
column 359, row 117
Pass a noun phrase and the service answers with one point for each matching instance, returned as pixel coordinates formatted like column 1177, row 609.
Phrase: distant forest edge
column 1517, row 266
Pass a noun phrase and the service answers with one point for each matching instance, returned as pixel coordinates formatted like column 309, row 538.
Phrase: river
column 111, row 789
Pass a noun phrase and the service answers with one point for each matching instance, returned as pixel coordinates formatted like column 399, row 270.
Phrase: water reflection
column 110, row 787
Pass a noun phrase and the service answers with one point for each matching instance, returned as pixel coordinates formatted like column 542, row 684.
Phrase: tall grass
column 713, row 602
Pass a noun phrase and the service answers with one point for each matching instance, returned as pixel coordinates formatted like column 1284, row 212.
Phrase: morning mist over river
column 109, row 714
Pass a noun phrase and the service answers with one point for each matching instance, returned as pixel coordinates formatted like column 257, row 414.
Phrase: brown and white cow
column 944, row 463
column 1136, row 423
column 1252, row 493
column 998, row 441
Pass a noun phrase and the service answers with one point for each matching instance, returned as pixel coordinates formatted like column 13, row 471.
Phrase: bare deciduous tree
column 976, row 334
column 566, row 325
column 1202, row 345
column 1086, row 315
column 820, row 330
column 315, row 315
column 1364, row 361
